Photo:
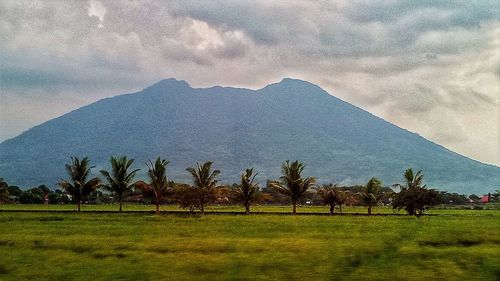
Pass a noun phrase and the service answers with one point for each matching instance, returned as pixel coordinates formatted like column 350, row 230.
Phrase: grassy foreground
column 71, row 246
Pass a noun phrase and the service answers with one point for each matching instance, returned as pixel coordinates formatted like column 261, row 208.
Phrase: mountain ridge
column 291, row 119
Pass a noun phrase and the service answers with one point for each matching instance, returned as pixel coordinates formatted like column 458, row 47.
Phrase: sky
column 431, row 67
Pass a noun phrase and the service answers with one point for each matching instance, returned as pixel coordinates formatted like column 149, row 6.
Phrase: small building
column 485, row 198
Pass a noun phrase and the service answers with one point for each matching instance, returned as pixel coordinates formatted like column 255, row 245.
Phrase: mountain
column 239, row 128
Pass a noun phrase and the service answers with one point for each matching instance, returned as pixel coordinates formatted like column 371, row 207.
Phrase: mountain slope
column 239, row 128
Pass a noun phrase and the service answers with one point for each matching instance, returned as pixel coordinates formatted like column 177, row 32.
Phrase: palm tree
column 328, row 195
column 248, row 191
column 159, row 187
column 78, row 186
column 342, row 196
column 412, row 180
column 119, row 179
column 414, row 197
column 204, row 181
column 370, row 197
column 291, row 183
column 4, row 191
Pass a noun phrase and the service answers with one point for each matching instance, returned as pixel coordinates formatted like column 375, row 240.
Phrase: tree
column 204, row 180
column 291, row 183
column 371, row 196
column 187, row 197
column 31, row 196
column 14, row 190
column 4, row 191
column 328, row 196
column 342, row 197
column 248, row 191
column 474, row 197
column 414, row 197
column 78, row 186
column 159, row 186
column 119, row 180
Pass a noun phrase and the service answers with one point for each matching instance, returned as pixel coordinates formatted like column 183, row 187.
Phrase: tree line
column 413, row 196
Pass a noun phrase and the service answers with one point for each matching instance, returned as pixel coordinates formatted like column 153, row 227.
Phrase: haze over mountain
column 239, row 128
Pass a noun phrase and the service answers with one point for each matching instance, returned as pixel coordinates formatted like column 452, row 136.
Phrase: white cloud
column 97, row 9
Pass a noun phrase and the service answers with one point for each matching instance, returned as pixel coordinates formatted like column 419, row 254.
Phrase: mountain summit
column 239, row 128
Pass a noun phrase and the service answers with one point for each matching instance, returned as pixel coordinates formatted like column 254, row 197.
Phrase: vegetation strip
column 208, row 213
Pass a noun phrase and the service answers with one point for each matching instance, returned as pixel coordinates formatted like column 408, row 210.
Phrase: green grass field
column 138, row 246
column 489, row 209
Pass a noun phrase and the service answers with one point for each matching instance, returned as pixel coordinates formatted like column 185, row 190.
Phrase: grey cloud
column 404, row 60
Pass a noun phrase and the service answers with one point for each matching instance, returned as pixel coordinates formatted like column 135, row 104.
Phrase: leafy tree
column 45, row 190
column 119, row 180
column 54, row 198
column 4, row 191
column 78, row 186
column 187, row 197
column 248, row 191
column 31, row 196
column 371, row 195
column 453, row 198
column 414, row 197
column 291, row 182
column 14, row 190
column 38, row 191
column 474, row 197
column 159, row 186
column 204, row 180
column 495, row 196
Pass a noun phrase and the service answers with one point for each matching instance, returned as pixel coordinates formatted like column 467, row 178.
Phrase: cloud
column 429, row 66
column 98, row 10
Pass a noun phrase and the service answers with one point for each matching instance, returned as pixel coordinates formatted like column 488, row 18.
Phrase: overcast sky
column 432, row 67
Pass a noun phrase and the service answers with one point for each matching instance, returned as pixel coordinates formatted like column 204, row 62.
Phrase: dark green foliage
column 204, row 183
column 414, row 197
column 371, row 195
column 45, row 190
column 31, row 196
column 474, row 197
column 4, row 191
column 78, row 186
column 248, row 191
column 14, row 190
column 291, row 183
column 159, row 186
column 54, row 198
column 453, row 198
column 120, row 178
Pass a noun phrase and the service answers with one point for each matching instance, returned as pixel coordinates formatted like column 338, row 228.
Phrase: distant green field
column 138, row 246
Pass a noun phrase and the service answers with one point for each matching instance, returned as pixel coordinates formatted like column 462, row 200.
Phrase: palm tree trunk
column 247, row 209
column 340, row 208
column 369, row 210
column 332, row 207
column 202, row 209
column 78, row 205
column 120, row 201
column 294, row 207
column 157, row 208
